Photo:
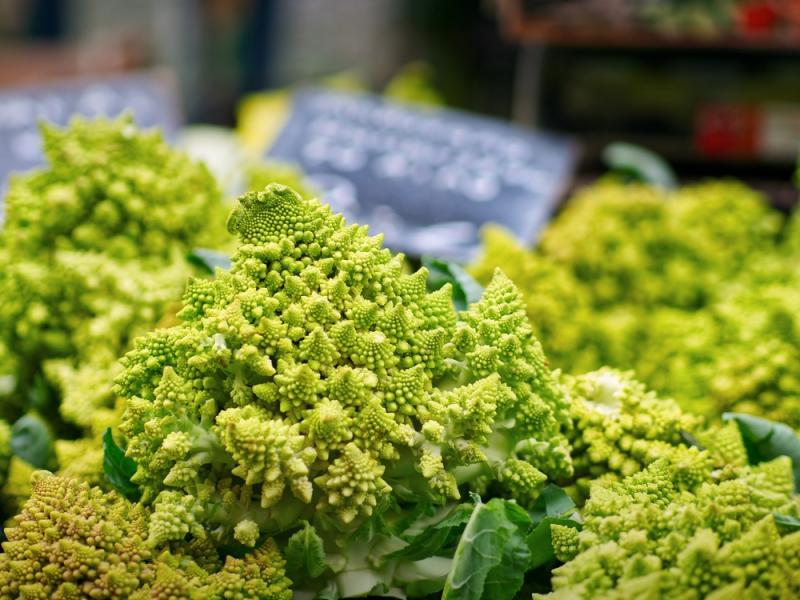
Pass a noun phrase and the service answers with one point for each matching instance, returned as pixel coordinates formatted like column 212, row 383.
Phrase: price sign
column 427, row 179
column 150, row 97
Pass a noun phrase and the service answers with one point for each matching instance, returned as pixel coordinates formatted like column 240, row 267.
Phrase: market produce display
column 695, row 290
column 317, row 420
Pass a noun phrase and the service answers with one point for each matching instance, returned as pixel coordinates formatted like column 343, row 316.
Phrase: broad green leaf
column 552, row 502
column 466, row 290
column 305, row 554
column 510, row 572
column 786, row 523
column 32, row 441
column 436, row 539
column 765, row 440
column 119, row 468
column 640, row 164
column 209, row 260
column 376, row 525
column 491, row 557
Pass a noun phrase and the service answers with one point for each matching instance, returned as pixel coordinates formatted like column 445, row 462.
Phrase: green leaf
column 765, row 440
column 235, row 549
column 540, row 541
column 438, row 538
column 786, row 523
column 552, row 502
column 330, row 592
column 305, row 554
column 510, row 572
column 492, row 555
column 209, row 260
column 689, row 439
column 466, row 290
column 119, row 468
column 640, row 164
column 376, row 525
column 32, row 441
column 41, row 397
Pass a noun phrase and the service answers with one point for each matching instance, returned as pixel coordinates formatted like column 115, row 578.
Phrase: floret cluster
column 92, row 253
column 696, row 291
column 312, row 420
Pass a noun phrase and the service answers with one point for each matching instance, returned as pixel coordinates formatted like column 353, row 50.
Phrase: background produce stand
column 413, row 299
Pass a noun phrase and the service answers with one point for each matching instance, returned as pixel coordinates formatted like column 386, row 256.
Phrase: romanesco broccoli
column 619, row 426
column 75, row 541
column 92, row 253
column 316, row 381
column 669, row 532
column 689, row 289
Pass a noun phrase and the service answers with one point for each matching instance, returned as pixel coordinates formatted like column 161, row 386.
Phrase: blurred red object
column 724, row 130
column 763, row 16
column 758, row 17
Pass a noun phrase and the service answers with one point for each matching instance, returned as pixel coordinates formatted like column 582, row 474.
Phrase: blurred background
column 711, row 85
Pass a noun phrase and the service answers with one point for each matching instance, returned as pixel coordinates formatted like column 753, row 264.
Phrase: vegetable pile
column 697, row 291
column 315, row 420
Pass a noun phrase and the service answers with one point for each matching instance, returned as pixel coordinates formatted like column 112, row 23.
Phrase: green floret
column 556, row 303
column 81, row 459
column 611, row 238
column 724, row 222
column 652, row 535
column 259, row 575
column 315, row 381
column 619, row 426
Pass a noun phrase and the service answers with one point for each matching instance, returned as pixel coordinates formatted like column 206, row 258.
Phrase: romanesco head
column 92, row 254
column 691, row 289
column 619, row 426
column 74, row 541
column 109, row 188
column 316, row 380
column 657, row 533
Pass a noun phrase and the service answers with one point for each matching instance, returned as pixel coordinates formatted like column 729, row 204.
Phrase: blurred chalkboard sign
column 425, row 178
column 150, row 97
